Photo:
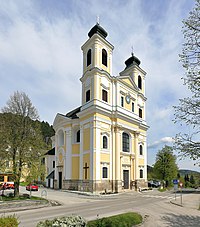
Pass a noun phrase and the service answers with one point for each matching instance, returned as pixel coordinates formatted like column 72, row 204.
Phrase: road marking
column 158, row 196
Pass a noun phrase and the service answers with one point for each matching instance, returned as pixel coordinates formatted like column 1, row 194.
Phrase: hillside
column 183, row 172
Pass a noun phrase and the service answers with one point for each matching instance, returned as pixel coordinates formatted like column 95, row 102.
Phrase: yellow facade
column 75, row 171
column 104, row 139
column 86, row 139
column 75, row 148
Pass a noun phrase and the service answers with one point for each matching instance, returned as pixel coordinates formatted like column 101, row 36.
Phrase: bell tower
column 97, row 60
column 97, row 51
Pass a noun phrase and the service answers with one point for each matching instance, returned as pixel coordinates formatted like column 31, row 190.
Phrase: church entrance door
column 126, row 179
column 60, row 179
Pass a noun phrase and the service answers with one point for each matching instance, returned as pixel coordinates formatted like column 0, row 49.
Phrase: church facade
column 101, row 145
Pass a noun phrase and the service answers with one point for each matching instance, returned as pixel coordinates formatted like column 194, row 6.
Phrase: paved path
column 156, row 207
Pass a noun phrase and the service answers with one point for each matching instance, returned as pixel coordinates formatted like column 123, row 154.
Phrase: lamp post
column 181, row 185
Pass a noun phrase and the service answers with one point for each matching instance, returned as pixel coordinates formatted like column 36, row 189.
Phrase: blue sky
column 40, row 54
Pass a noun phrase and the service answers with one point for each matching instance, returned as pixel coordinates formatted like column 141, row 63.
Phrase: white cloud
column 164, row 140
column 40, row 52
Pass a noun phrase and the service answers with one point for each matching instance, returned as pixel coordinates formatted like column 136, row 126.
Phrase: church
column 101, row 145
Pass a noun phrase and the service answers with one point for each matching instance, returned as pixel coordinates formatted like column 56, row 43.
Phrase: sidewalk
column 187, row 200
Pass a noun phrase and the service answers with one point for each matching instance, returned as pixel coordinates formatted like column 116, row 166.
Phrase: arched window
column 141, row 150
column 105, row 142
column 78, row 136
column 104, row 95
column 125, row 142
column 141, row 173
column 140, row 112
column 133, row 106
column 139, row 82
column 122, row 101
column 104, row 57
column 89, row 57
column 87, row 98
column 105, row 172
column 60, row 138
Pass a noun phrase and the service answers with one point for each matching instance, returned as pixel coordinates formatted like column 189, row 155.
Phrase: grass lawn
column 21, row 197
column 122, row 220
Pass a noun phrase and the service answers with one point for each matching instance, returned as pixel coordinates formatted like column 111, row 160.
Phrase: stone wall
column 102, row 186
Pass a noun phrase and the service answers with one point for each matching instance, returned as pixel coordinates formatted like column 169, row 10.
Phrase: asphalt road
column 154, row 205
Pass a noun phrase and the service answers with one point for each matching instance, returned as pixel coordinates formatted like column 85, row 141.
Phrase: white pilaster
column 117, row 158
column 98, row 149
column 68, row 156
column 56, row 156
column 136, row 156
column 81, row 153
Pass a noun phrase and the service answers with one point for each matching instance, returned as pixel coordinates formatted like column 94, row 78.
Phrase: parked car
column 10, row 185
column 32, row 187
column 7, row 185
column 154, row 184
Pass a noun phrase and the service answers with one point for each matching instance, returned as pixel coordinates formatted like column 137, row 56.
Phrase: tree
column 165, row 167
column 188, row 110
column 47, row 132
column 192, row 180
column 21, row 139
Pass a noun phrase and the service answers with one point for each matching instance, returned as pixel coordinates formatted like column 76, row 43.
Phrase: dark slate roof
column 131, row 61
column 72, row 114
column 51, row 175
column 97, row 29
column 50, row 152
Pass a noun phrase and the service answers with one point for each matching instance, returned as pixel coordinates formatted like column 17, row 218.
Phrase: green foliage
column 121, row 220
column 20, row 136
column 195, row 175
column 188, row 110
column 162, row 189
column 24, row 183
column 165, row 167
column 9, row 221
column 150, row 173
column 10, row 197
column 192, row 180
column 186, row 178
column 47, row 132
column 70, row 221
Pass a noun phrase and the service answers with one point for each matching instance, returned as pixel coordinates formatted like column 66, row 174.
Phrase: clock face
column 128, row 99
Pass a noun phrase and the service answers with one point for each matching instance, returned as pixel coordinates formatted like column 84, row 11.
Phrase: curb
column 32, row 206
column 174, row 203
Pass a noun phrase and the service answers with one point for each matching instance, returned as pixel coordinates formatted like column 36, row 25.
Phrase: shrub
column 162, row 189
column 70, row 221
column 121, row 220
column 9, row 221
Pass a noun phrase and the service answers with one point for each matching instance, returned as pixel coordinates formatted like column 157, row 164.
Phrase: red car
column 32, row 187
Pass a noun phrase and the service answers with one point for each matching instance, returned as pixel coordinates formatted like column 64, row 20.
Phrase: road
column 154, row 205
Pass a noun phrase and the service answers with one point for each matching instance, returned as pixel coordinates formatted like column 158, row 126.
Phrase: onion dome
column 97, row 29
column 131, row 61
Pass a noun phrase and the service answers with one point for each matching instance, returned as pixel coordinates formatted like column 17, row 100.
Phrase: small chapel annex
column 101, row 145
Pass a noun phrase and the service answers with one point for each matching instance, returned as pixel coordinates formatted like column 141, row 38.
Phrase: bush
column 70, row 221
column 121, row 220
column 162, row 189
column 9, row 221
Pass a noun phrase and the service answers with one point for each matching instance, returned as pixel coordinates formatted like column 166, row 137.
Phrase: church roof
column 51, row 175
column 131, row 61
column 73, row 114
column 97, row 29
column 50, row 152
